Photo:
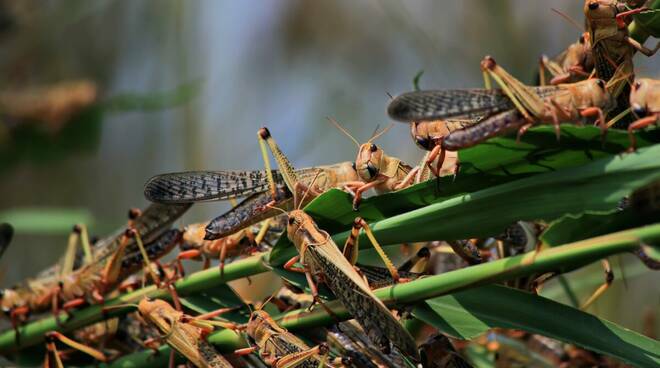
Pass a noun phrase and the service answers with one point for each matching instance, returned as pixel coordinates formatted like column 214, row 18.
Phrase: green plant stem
column 32, row 333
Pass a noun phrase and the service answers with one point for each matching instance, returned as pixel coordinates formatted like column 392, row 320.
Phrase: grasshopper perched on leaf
column 514, row 107
column 320, row 256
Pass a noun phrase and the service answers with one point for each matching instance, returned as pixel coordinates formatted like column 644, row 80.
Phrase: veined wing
column 250, row 211
column 199, row 186
column 453, row 103
column 351, row 289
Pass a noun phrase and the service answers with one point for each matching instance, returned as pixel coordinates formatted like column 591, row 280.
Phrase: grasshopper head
column 368, row 162
column 642, row 94
column 154, row 309
column 600, row 9
column 428, row 134
column 260, row 321
column 297, row 219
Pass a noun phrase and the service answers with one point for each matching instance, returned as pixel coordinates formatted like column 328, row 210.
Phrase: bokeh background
column 184, row 85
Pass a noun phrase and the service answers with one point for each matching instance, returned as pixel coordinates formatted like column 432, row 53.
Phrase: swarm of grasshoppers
column 592, row 82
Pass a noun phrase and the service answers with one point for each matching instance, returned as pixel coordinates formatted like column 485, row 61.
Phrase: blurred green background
column 184, row 85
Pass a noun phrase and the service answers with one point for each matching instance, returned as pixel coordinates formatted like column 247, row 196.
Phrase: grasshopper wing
column 351, row 289
column 198, row 186
column 449, row 103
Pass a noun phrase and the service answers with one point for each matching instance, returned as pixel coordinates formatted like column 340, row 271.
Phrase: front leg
column 358, row 192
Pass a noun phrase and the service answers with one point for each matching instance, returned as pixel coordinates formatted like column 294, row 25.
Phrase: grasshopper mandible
column 320, row 256
column 280, row 348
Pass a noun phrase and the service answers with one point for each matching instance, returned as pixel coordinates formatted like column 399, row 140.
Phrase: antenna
column 302, row 200
column 343, row 130
column 568, row 18
column 379, row 134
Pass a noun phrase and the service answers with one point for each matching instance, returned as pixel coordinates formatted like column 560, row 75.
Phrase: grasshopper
column 572, row 65
column 612, row 47
column 189, row 187
column 247, row 239
column 320, row 256
column 350, row 340
column 183, row 333
column 111, row 264
column 280, row 348
column 376, row 169
column 514, row 107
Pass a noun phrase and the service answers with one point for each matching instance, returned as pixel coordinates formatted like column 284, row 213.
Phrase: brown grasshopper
column 514, row 107
column 612, row 48
column 183, row 333
column 320, row 256
column 71, row 288
column 189, row 187
column 376, row 169
column 572, row 65
column 278, row 347
column 241, row 242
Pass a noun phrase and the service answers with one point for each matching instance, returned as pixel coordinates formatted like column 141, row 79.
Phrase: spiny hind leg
column 352, row 246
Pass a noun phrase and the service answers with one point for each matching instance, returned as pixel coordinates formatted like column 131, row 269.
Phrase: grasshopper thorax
column 592, row 93
column 302, row 230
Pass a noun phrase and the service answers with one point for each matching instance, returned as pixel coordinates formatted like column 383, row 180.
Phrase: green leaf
column 466, row 315
column 646, row 24
column 219, row 297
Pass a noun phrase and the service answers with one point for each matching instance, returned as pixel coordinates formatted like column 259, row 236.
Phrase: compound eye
column 354, row 166
column 593, row 5
column 601, row 84
column 373, row 148
column 422, row 142
column 373, row 171
column 639, row 110
column 291, row 220
column 637, row 85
